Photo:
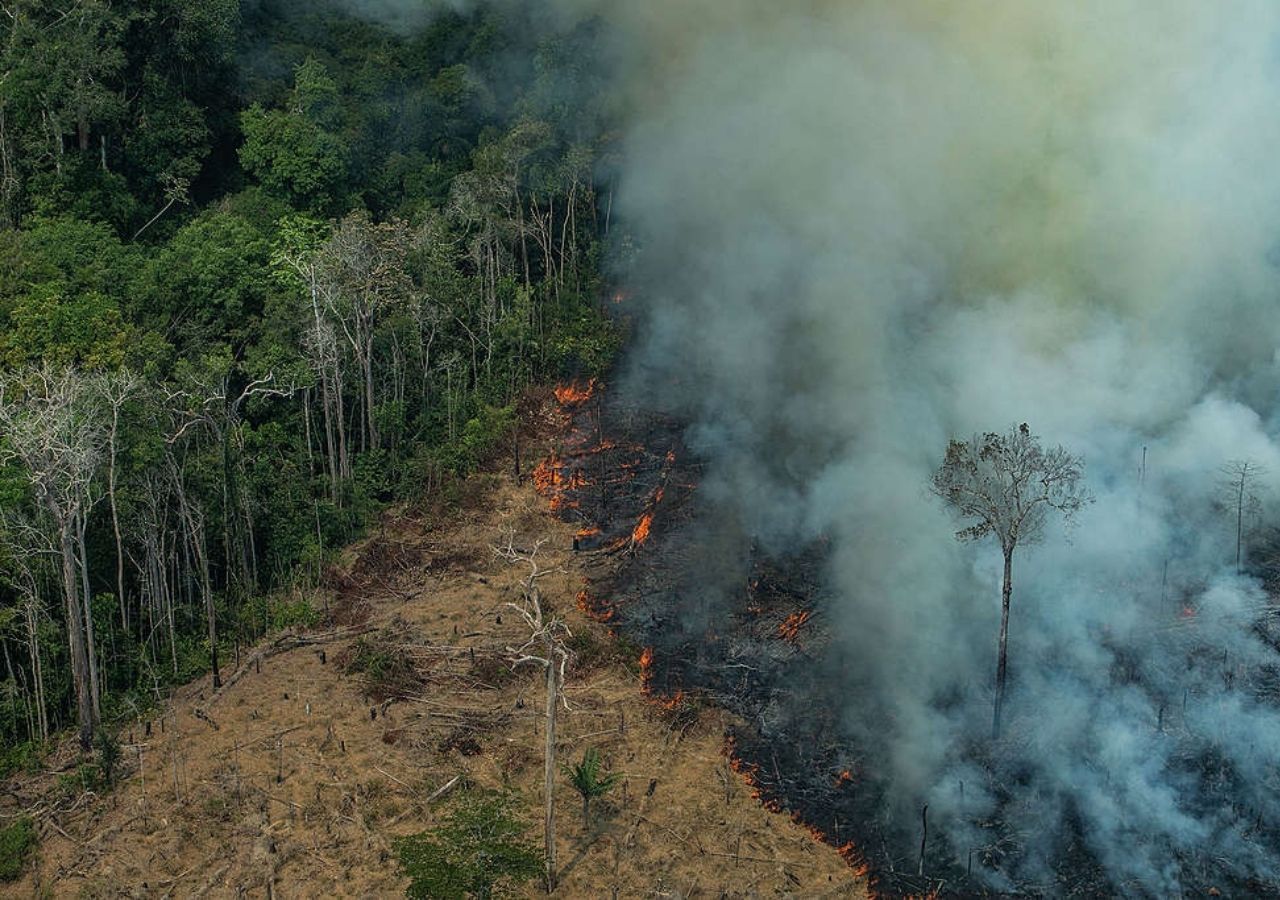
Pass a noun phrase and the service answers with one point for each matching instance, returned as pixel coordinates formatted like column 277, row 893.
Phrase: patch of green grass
column 592, row 650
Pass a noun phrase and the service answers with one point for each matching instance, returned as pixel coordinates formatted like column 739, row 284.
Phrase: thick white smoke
column 870, row 226
column 867, row 226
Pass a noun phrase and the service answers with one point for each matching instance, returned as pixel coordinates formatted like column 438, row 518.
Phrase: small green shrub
column 477, row 852
column 17, row 841
column 298, row 613
column 24, row 757
column 108, row 757
column 387, row 671
column 85, row 777
column 589, row 781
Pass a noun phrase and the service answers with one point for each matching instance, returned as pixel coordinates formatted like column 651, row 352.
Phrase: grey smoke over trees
column 869, row 226
column 866, row 226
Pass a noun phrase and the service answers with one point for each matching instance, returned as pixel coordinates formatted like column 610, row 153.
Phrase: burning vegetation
column 597, row 609
column 575, row 394
column 789, row 628
column 749, row 772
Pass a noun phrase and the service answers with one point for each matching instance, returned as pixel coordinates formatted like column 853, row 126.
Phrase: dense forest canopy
column 263, row 267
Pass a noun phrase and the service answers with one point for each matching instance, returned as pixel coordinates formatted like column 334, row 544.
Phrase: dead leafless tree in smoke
column 1238, row 490
column 546, row 648
column 1006, row 484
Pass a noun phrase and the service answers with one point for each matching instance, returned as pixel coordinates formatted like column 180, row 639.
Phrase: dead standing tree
column 1006, row 484
column 546, row 648
column 1239, row 496
column 26, row 563
column 50, row 425
column 213, row 405
column 116, row 389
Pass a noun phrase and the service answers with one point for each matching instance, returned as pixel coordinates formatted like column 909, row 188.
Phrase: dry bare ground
column 293, row 781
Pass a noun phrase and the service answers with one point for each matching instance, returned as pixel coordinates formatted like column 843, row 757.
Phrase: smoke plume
column 867, row 227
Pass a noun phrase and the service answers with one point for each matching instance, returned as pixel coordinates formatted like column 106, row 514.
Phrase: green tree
column 293, row 152
column 208, row 286
column 588, row 781
column 477, row 852
column 84, row 330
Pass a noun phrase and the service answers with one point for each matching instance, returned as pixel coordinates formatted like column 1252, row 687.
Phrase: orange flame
column 646, row 671
column 646, row 683
column 749, row 772
column 546, row 477
column 596, row 608
column 789, row 628
column 573, row 394
column 640, row 533
column 550, row 482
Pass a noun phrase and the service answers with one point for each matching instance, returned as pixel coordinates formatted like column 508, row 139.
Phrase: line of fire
column 625, row 479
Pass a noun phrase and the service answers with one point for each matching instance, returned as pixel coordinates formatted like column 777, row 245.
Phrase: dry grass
column 309, row 776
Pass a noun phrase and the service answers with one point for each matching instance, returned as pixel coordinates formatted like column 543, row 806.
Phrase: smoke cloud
column 868, row 227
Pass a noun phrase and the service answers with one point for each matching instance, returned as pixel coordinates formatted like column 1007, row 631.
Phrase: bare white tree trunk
column 549, row 768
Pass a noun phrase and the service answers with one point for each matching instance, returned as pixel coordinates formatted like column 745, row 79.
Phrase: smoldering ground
column 870, row 227
column 866, row 227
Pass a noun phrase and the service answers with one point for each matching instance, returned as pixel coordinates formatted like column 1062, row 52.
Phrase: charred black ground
column 724, row 620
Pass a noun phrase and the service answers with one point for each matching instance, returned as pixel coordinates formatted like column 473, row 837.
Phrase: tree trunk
column 553, row 683
column 1002, row 660
column 1240, row 517
column 37, row 670
column 366, row 363
column 75, row 635
column 95, row 689
column 115, row 520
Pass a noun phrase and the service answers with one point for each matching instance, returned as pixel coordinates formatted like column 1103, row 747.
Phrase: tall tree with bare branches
column 546, row 648
column 49, row 423
column 1239, row 496
column 1006, row 485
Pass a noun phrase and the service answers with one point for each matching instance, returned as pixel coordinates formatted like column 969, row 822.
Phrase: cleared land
column 305, row 768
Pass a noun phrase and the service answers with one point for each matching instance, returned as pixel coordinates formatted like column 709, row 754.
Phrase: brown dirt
column 305, row 782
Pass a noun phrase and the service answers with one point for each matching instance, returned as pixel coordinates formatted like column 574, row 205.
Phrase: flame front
column 573, row 394
column 646, row 671
column 640, row 533
column 750, row 774
column 789, row 628
column 671, row 701
column 597, row 609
